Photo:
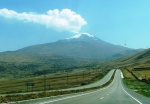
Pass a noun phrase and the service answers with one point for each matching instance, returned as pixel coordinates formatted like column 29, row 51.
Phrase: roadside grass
column 135, row 85
column 20, row 97
column 51, row 81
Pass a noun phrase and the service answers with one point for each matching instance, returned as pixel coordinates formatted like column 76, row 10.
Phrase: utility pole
column 83, row 74
column 145, row 76
column 67, row 77
column 27, row 86
column 44, row 84
column 89, row 72
column 49, row 86
column 76, row 77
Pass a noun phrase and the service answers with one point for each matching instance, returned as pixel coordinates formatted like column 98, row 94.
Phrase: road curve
column 98, row 83
column 95, row 84
column 115, row 93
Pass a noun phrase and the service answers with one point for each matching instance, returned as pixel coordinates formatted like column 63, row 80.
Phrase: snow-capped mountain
column 82, row 45
column 83, row 37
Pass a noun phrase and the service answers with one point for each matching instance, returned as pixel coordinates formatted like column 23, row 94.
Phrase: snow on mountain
column 81, row 35
column 83, row 45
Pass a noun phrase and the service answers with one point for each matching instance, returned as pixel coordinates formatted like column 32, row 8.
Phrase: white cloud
column 64, row 20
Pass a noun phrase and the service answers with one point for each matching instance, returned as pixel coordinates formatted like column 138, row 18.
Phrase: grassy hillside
column 13, row 64
column 139, row 60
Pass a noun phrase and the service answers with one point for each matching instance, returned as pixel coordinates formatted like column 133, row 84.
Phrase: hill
column 139, row 60
column 13, row 64
column 80, row 51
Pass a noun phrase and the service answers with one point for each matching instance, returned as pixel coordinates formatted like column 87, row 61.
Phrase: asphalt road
column 115, row 93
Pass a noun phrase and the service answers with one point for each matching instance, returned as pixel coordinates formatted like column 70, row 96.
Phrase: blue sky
column 29, row 22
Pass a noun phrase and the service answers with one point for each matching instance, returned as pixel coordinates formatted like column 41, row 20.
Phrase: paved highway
column 115, row 93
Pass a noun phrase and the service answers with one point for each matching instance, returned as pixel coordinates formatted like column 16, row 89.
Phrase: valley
column 69, row 64
column 74, row 52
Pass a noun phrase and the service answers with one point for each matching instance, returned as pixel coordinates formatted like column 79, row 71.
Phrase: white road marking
column 77, row 95
column 122, row 75
column 131, row 95
column 101, row 97
column 71, row 97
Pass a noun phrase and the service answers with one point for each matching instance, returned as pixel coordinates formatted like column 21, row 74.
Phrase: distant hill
column 14, row 64
column 139, row 60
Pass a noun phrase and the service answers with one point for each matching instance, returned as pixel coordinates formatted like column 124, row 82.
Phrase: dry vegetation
column 144, row 74
column 51, row 81
column 127, row 74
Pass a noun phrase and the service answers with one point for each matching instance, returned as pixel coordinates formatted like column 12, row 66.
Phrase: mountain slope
column 80, row 51
column 141, row 59
column 80, row 46
column 15, row 64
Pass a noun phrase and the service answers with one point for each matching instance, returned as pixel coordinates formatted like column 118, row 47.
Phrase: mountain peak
column 81, row 35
